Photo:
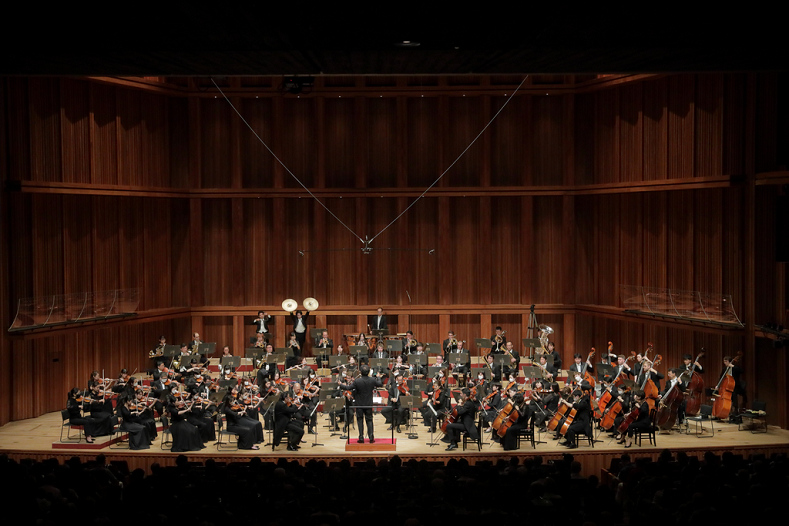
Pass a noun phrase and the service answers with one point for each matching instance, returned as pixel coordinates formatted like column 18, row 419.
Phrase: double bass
column 695, row 389
column 668, row 407
column 724, row 391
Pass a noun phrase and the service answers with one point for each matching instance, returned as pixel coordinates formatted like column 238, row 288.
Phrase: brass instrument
column 260, row 344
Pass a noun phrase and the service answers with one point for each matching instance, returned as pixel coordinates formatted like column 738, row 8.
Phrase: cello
column 648, row 386
column 668, row 407
column 723, row 392
column 695, row 389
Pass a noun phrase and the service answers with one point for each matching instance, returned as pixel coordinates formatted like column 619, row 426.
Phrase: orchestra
column 192, row 394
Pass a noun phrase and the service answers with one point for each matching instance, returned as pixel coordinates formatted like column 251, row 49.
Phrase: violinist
column 287, row 417
column 466, row 420
column 511, row 436
column 583, row 416
column 513, row 360
column 94, row 424
column 97, row 391
column 312, row 389
column 200, row 418
column 139, row 437
column 144, row 403
column 436, row 404
column 234, row 411
column 395, row 413
column 642, row 422
column 123, row 380
column 186, row 437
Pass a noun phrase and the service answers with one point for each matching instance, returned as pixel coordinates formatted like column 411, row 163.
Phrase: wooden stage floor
column 35, row 438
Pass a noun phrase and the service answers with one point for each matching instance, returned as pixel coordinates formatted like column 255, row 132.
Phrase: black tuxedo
column 363, row 388
column 329, row 346
column 262, row 324
column 466, row 421
column 378, row 324
column 301, row 337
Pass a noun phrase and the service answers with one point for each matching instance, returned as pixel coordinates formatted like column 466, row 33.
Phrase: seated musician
column 260, row 343
column 436, row 404
column 557, row 360
column 287, row 417
column 324, row 342
column 409, row 345
column 395, row 413
column 582, row 423
column 494, row 370
column 498, row 341
column 266, row 370
column 416, row 368
column 545, row 402
column 466, row 420
column 380, row 352
column 511, row 435
column 462, row 368
column 234, row 411
column 513, row 360
column 549, row 371
column 493, row 402
column 642, row 422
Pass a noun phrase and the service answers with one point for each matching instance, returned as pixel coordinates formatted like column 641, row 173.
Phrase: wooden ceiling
column 184, row 38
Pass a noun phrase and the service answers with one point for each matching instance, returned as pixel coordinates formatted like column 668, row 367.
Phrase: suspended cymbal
column 289, row 305
column 311, row 304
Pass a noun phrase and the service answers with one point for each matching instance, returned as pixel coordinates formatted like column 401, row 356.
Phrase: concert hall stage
column 38, row 438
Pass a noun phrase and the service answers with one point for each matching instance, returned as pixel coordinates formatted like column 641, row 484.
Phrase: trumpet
column 294, row 344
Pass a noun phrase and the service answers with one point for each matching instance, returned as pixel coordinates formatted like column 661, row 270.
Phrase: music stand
column 411, row 402
column 379, row 333
column 416, row 386
column 418, row 359
column 432, row 371
column 269, row 404
column 316, row 333
column 458, row 359
column 433, row 348
column 603, row 370
column 483, row 343
column 379, row 364
column 357, row 351
column 336, row 361
column 500, row 359
column 171, row 351
column 532, row 343
column 233, row 361
column 394, row 346
column 332, row 405
column 206, row 348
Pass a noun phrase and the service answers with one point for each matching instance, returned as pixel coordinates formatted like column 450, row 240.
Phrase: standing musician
column 362, row 388
column 261, row 323
column 689, row 365
column 498, row 341
column 466, row 420
column 648, row 369
column 557, row 360
column 311, row 386
column 583, row 416
column 409, row 345
column 395, row 413
column 379, row 321
column 622, row 368
column 511, row 367
column 299, row 328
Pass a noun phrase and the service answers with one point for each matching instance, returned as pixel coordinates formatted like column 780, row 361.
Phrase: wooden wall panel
column 178, row 140
column 680, row 250
column 75, row 121
column 340, row 136
column 155, row 157
column 104, row 150
column 46, row 149
column 606, row 137
column 546, row 138
column 217, row 252
column 584, row 138
column 219, row 329
column 297, row 138
column 655, row 112
column 130, row 137
column 464, row 257
column 708, row 132
column 257, row 162
column 385, row 287
column 508, row 272
column 681, row 113
column 18, row 122
column 425, row 133
column 380, row 144
column 510, row 141
column 158, row 275
column 465, row 120
column 47, row 238
column 631, row 149
column 77, row 244
column 215, row 115
column 258, row 252
column 422, row 281
column 340, row 256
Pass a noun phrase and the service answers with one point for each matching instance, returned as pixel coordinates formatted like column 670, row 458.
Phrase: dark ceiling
column 238, row 39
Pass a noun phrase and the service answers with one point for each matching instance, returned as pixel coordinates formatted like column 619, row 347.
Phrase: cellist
column 511, row 435
column 582, row 423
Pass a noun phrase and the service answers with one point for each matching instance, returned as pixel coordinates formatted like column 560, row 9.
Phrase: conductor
column 362, row 389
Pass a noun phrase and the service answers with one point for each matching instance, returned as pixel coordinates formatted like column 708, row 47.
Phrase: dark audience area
column 675, row 489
